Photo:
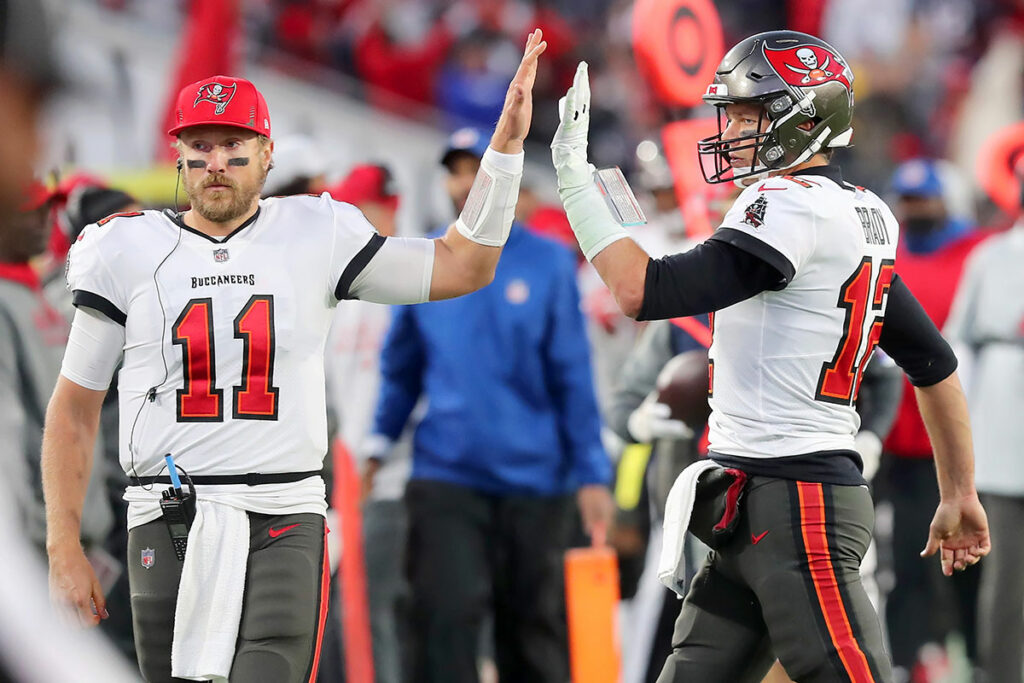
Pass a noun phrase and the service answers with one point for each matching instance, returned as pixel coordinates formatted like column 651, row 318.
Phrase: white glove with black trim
column 591, row 219
column 569, row 146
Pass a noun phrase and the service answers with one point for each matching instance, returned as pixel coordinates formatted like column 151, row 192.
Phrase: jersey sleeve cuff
column 356, row 265
column 756, row 247
column 81, row 297
column 81, row 381
column 935, row 372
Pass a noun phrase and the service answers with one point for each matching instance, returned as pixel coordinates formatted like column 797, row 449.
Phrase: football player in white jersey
column 222, row 314
column 802, row 278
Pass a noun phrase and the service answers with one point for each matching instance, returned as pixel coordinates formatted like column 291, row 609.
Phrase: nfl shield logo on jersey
column 148, row 558
column 220, row 255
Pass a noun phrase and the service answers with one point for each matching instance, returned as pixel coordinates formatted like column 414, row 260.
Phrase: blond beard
column 224, row 210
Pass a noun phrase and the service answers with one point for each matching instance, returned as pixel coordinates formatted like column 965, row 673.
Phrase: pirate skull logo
column 807, row 56
column 217, row 94
column 813, row 72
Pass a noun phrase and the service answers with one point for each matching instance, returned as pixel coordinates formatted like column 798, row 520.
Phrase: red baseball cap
column 223, row 101
column 366, row 183
column 35, row 195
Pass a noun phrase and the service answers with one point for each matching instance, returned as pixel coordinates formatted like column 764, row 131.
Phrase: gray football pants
column 787, row 586
column 284, row 606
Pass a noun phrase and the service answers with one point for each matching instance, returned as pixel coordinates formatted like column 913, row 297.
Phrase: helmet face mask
column 799, row 83
column 766, row 153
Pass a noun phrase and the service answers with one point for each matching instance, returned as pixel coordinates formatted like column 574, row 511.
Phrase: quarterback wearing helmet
column 801, row 280
column 803, row 92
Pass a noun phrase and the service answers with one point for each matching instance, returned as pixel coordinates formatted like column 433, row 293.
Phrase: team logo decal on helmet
column 216, row 94
column 808, row 65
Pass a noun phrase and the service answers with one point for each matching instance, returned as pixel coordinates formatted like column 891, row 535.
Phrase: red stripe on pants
column 819, row 561
column 325, row 592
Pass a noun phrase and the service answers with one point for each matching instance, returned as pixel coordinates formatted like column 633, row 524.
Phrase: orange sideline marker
column 352, row 570
column 592, row 600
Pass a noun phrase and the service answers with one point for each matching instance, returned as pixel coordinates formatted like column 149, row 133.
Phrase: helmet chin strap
column 763, row 171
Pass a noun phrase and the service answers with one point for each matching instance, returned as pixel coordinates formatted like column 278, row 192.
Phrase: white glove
column 869, row 446
column 591, row 219
column 652, row 420
column 569, row 146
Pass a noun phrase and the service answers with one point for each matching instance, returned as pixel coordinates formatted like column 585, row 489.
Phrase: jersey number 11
column 839, row 380
column 256, row 397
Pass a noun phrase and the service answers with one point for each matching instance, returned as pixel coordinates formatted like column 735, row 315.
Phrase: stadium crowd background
column 352, row 82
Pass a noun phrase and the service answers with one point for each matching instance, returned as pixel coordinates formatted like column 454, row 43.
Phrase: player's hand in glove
column 653, row 420
column 569, row 146
column 592, row 221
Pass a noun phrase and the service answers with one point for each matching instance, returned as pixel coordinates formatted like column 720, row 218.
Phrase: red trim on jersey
column 819, row 562
column 325, row 593
column 802, row 182
column 122, row 214
column 695, row 328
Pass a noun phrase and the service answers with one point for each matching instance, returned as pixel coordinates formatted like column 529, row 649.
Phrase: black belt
column 251, row 479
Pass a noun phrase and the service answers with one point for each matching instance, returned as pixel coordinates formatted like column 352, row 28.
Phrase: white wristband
column 487, row 216
column 591, row 219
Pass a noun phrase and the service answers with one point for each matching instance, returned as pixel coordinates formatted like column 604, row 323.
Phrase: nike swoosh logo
column 757, row 539
column 274, row 533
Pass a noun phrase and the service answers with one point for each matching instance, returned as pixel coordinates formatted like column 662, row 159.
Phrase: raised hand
column 569, row 146
column 959, row 532
column 516, row 115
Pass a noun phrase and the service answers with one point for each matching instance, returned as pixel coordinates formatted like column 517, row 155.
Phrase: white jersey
column 786, row 365
column 239, row 324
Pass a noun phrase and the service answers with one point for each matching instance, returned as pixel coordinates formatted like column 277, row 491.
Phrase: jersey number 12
column 256, row 397
column 840, row 378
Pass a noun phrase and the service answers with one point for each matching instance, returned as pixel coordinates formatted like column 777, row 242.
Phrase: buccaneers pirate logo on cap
column 217, row 94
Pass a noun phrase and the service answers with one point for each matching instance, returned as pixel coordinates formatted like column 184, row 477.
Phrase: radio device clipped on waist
column 179, row 509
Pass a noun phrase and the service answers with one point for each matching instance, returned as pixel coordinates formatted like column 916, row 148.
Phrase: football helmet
column 795, row 78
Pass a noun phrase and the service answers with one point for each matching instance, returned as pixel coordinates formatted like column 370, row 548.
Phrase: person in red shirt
column 936, row 237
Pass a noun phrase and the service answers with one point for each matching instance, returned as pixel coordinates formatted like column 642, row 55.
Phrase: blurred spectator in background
column 353, row 369
column 299, row 167
column 470, row 87
column 28, row 74
column 986, row 327
column 78, row 200
column 510, row 432
column 30, row 635
column 936, row 235
column 400, row 52
column 612, row 335
column 33, row 335
column 32, row 339
column 667, row 445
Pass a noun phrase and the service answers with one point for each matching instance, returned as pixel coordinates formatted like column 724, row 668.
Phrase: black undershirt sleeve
column 713, row 275
column 911, row 339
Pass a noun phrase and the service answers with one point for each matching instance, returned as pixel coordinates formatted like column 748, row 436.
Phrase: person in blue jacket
column 510, row 432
